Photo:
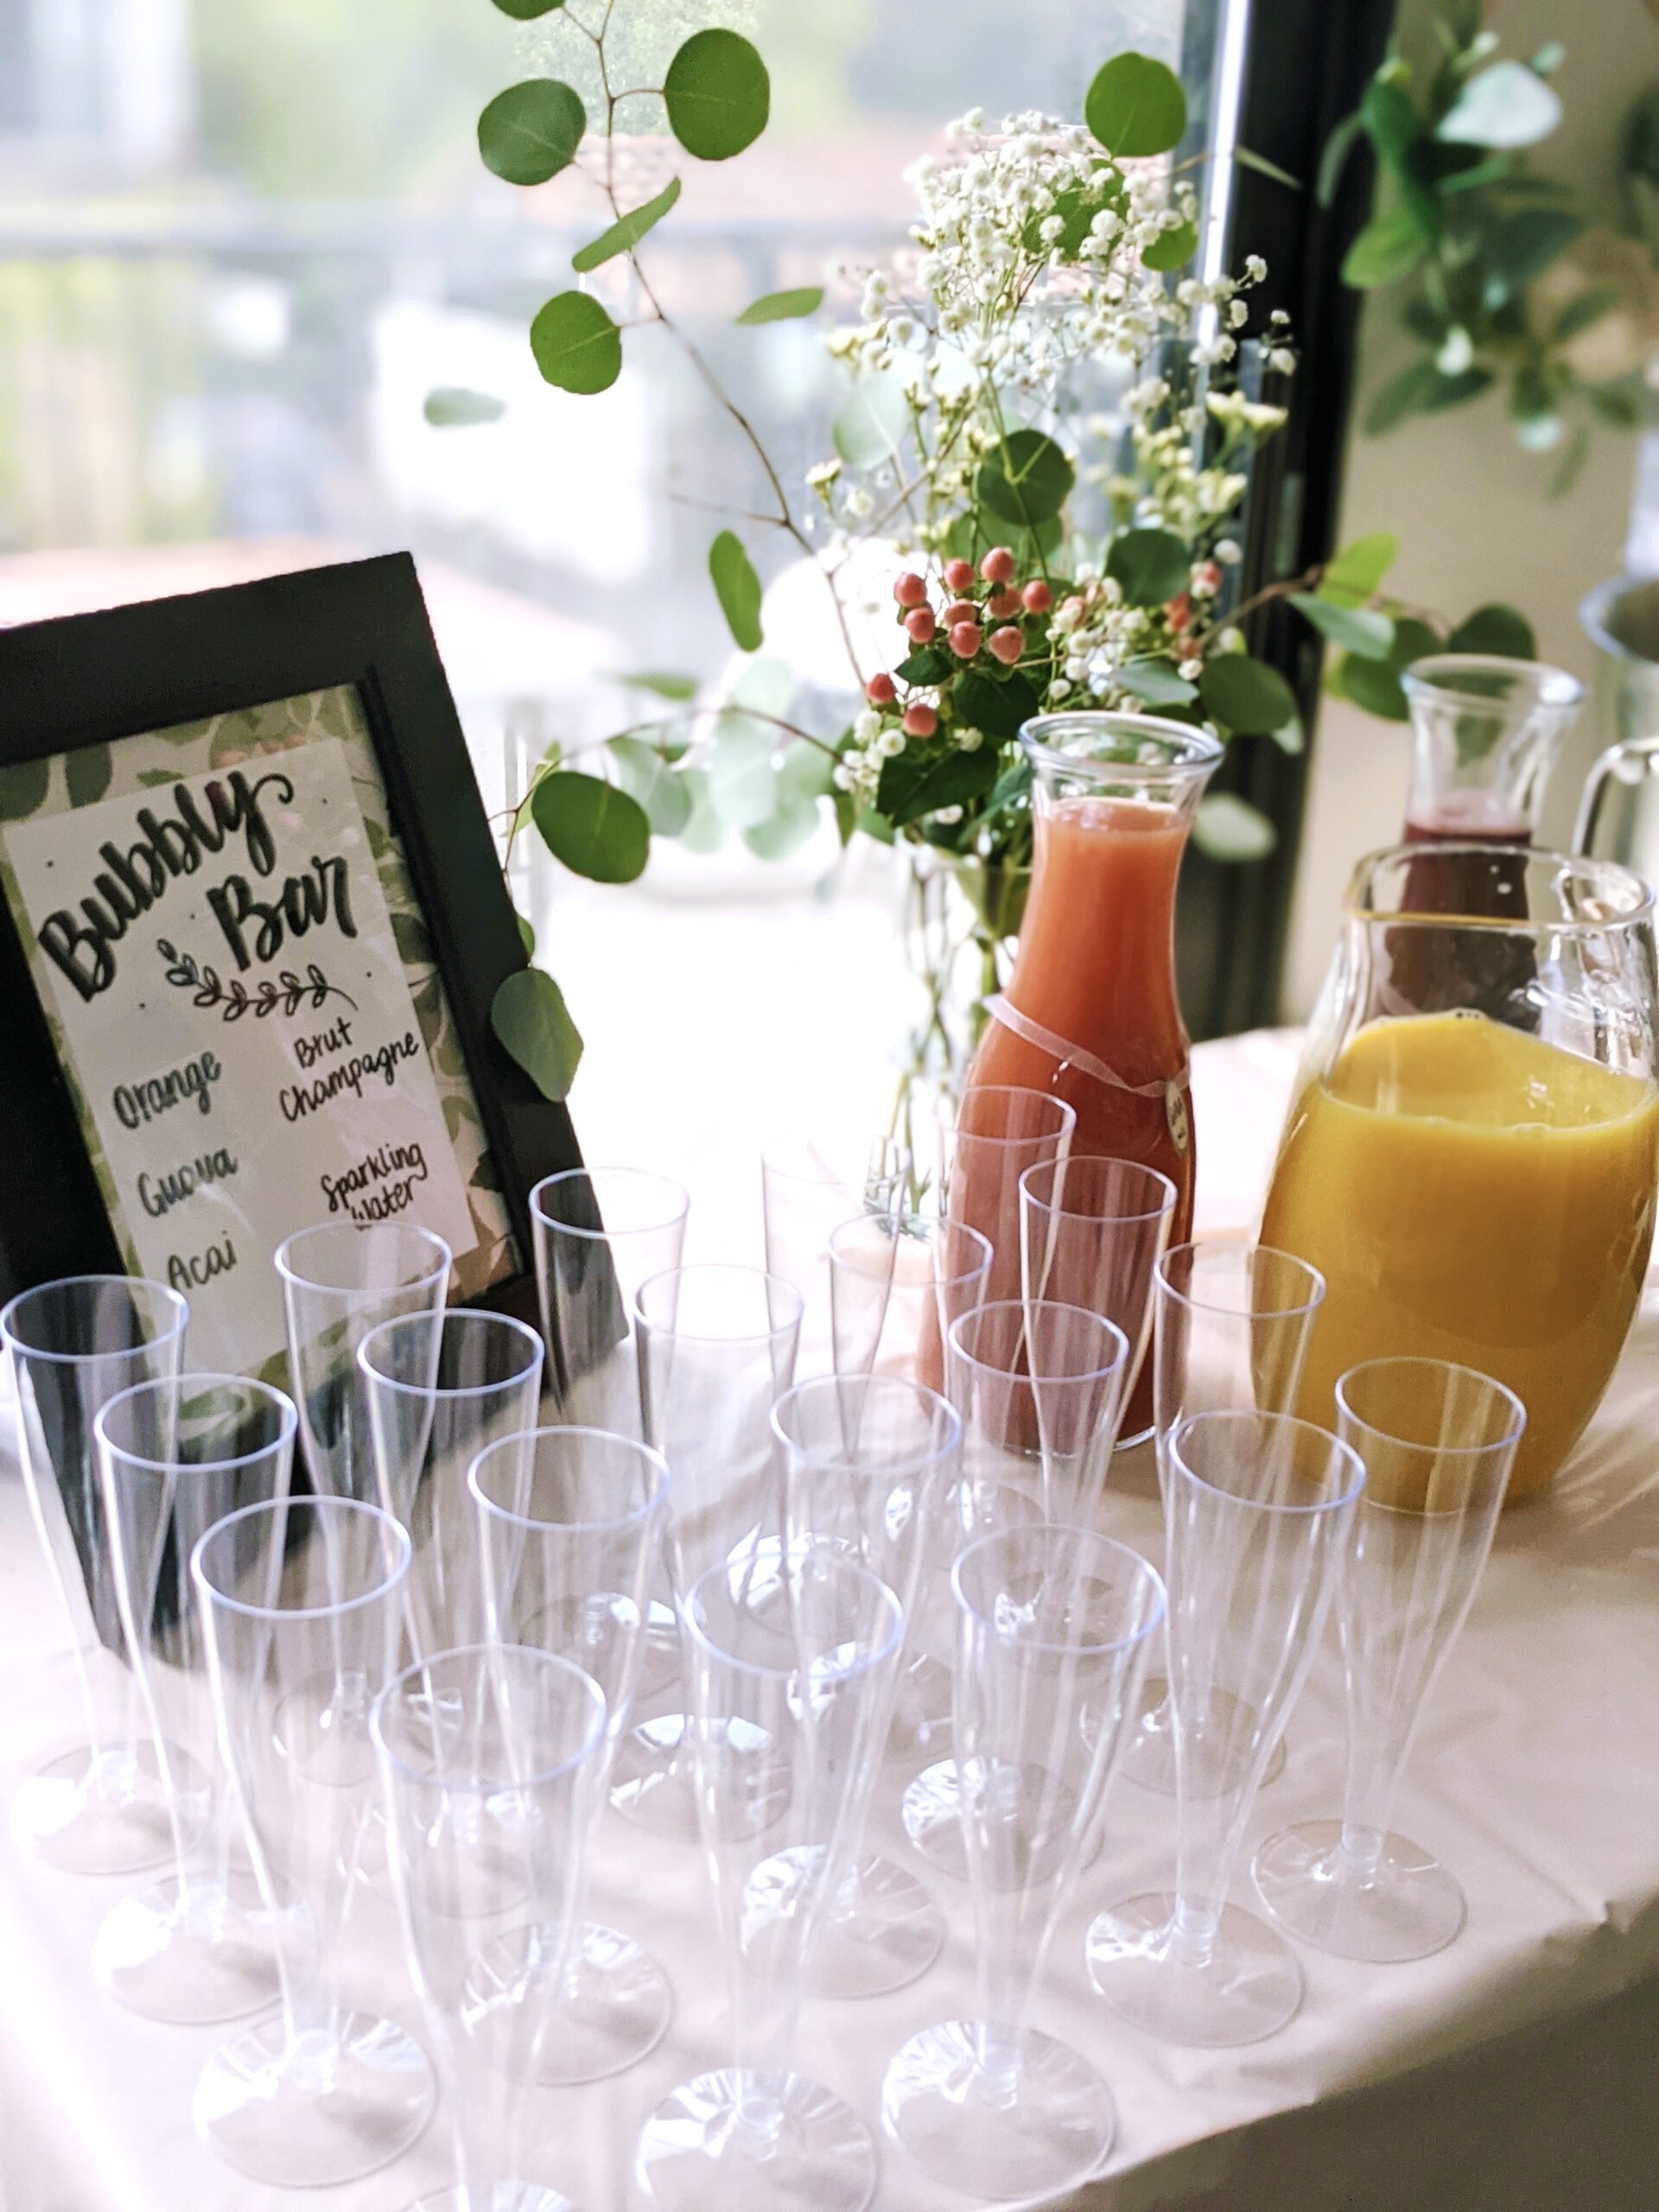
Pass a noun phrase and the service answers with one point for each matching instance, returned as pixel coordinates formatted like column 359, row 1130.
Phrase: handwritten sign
column 237, row 1017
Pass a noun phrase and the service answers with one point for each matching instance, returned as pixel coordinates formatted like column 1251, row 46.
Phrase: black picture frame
column 95, row 679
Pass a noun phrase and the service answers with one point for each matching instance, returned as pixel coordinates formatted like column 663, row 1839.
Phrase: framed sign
column 252, row 922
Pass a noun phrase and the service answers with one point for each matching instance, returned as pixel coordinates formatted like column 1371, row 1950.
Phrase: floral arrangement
column 1046, row 437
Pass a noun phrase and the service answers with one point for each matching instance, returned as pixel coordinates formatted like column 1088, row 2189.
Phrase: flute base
column 653, row 1783
column 931, row 1812
column 880, row 1936
column 616, row 2006
column 312, row 2116
column 1213, row 1769
column 91, row 1812
column 505, row 2196
column 1030, row 2129
column 1247, row 1986
column 193, row 1960
column 703, row 2147
column 1405, row 1907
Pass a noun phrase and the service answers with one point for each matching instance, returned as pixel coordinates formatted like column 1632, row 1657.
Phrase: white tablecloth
column 1517, row 2072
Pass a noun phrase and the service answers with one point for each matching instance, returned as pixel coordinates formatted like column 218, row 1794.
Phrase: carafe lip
column 1627, row 898
column 1184, row 747
column 1431, row 680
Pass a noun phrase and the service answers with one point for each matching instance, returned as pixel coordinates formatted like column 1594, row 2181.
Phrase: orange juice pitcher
column 1090, row 1015
column 1471, row 1157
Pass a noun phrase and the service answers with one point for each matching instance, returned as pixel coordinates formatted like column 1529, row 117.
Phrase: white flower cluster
column 1030, row 256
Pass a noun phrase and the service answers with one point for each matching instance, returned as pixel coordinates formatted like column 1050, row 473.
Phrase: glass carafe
column 1090, row 1015
column 1485, row 735
column 1471, row 1157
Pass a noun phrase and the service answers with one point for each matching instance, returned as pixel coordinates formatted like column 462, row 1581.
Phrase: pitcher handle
column 1630, row 764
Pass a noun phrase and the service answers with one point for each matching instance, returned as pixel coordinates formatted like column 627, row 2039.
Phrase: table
column 1517, row 2072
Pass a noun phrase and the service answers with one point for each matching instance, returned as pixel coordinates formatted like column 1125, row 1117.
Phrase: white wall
column 1470, row 507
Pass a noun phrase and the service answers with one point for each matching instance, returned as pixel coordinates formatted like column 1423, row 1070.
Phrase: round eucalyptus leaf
column 576, row 345
column 527, row 12
column 873, row 423
column 1152, row 566
column 1227, row 827
column 784, row 832
column 1375, row 684
column 1028, row 479
column 1136, row 106
column 1495, row 629
column 1171, row 249
column 647, row 777
column 1246, row 696
column 531, row 131
column 1504, row 107
column 529, row 1017
column 718, row 95
column 1359, row 630
column 742, row 783
column 595, row 829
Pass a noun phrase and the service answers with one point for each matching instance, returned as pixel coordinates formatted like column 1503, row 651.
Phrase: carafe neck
column 1486, row 733
column 1113, row 797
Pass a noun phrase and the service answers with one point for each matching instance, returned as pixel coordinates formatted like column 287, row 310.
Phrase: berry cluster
column 983, row 617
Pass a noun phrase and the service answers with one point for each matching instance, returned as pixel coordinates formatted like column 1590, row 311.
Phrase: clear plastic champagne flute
column 571, row 1525
column 440, row 1388
column 897, row 1282
column 100, row 1807
column 717, row 1349
column 987, row 1142
column 1092, row 1231
column 1039, row 1388
column 487, row 1762
column 1054, row 1626
column 1438, row 1442
column 302, row 1602
column 792, row 1664
column 811, row 1181
column 1232, row 1323
column 599, row 1232
column 175, row 1456
column 341, row 1280
column 869, row 1470
column 1259, row 1514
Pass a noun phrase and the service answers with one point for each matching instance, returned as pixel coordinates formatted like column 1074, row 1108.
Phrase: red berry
column 966, row 639
column 1037, row 596
column 959, row 575
column 1008, row 644
column 1179, row 611
column 921, row 624
column 997, row 566
column 921, row 721
column 881, row 690
column 1002, row 604
column 909, row 589
column 960, row 610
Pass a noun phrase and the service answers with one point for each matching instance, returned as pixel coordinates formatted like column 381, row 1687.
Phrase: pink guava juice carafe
column 1090, row 1014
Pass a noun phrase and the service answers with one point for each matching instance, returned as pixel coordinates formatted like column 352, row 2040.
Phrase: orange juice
column 1096, row 968
column 1473, row 1193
